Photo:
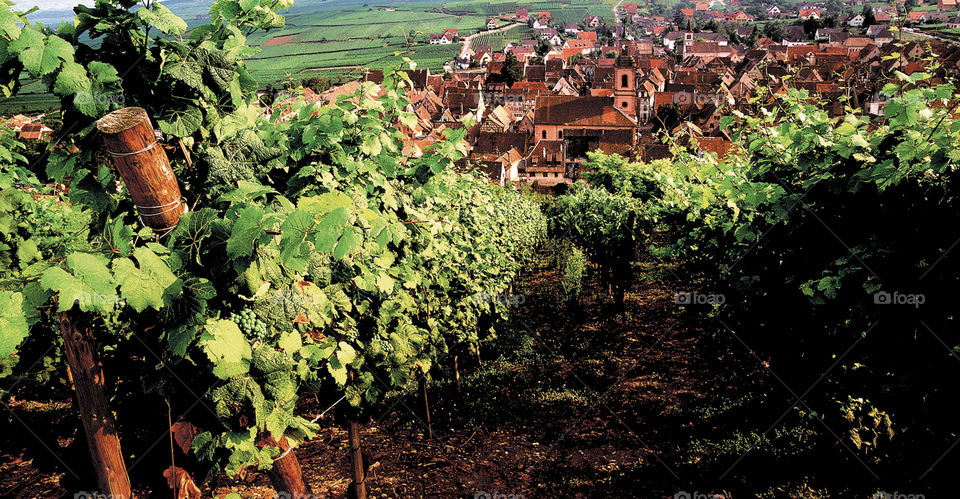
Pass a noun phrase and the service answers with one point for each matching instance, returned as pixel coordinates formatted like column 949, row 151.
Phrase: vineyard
column 500, row 39
column 236, row 305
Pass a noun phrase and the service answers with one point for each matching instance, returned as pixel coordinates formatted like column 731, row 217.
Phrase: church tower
column 625, row 85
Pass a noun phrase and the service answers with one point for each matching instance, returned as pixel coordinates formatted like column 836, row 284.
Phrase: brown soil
column 601, row 429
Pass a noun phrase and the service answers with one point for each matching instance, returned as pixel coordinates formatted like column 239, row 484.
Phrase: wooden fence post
column 95, row 414
column 286, row 475
column 144, row 167
column 357, row 470
column 426, row 406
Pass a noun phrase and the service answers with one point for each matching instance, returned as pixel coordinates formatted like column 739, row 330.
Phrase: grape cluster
column 249, row 324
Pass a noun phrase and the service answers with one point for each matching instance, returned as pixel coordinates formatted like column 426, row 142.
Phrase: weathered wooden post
column 144, row 167
column 87, row 375
column 357, row 471
column 286, row 475
column 426, row 405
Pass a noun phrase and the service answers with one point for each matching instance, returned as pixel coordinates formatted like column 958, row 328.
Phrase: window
column 623, row 81
column 559, row 134
column 544, row 134
column 624, row 104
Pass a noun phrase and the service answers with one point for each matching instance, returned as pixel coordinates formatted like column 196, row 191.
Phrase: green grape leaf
column 247, row 229
column 290, row 342
column 181, row 122
column 293, row 236
column 29, row 49
column 350, row 241
column 330, row 229
column 13, row 322
column 346, row 354
column 162, row 18
column 90, row 285
column 326, row 202
column 245, row 191
column 179, row 340
column 337, row 370
column 59, row 48
column 226, row 348
column 103, row 72
column 8, row 22
column 118, row 236
column 148, row 285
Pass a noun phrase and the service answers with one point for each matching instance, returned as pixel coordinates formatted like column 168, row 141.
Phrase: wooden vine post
column 144, row 167
column 142, row 163
column 286, row 475
column 358, row 488
column 85, row 371
column 426, row 406
column 456, row 370
column 359, row 484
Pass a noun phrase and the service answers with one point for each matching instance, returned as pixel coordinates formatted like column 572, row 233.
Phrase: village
column 540, row 105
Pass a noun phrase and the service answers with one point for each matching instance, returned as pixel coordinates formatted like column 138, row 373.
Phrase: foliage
column 606, row 225
column 318, row 258
column 826, row 237
column 574, row 268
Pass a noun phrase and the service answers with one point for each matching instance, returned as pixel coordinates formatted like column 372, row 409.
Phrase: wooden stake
column 286, row 475
column 144, row 167
column 426, row 406
column 95, row 414
column 456, row 371
column 359, row 484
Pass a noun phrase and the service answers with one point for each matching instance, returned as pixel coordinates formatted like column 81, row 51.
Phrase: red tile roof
column 579, row 111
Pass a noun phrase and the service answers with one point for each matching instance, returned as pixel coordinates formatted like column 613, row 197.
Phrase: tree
column 543, row 47
column 512, row 69
column 810, row 26
column 668, row 117
column 868, row 19
column 753, row 39
column 679, row 19
column 775, row 30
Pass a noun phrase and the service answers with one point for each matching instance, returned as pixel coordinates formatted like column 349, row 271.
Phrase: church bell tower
column 625, row 85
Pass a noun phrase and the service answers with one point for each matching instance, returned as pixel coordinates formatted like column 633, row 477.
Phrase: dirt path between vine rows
column 567, row 401
column 563, row 404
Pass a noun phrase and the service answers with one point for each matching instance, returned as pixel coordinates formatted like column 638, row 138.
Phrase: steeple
column 625, row 89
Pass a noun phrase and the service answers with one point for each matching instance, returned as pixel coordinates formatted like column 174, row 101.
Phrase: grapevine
column 250, row 325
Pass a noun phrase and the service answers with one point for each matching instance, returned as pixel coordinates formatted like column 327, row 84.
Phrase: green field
column 368, row 36
column 500, row 39
column 333, row 37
